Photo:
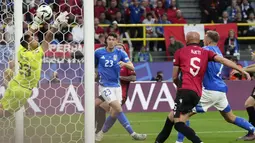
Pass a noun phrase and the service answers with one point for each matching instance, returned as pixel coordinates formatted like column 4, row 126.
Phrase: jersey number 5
column 194, row 68
column 25, row 69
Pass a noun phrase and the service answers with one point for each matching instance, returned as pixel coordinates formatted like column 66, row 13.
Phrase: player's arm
column 232, row 65
column 176, row 71
column 250, row 68
column 176, row 68
column 131, row 76
column 11, row 64
column 128, row 78
column 61, row 19
column 125, row 61
column 129, row 65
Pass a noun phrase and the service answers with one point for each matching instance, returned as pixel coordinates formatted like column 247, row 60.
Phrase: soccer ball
column 44, row 12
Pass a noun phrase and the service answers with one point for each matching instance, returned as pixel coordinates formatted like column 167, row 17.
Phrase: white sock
column 178, row 142
column 133, row 133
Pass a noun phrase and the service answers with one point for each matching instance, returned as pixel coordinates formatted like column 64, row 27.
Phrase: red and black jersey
column 125, row 84
column 192, row 61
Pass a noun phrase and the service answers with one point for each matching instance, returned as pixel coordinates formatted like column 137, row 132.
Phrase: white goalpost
column 63, row 124
column 88, row 32
column 18, row 22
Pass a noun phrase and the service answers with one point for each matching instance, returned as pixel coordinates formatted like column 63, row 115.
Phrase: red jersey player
column 190, row 63
column 126, row 76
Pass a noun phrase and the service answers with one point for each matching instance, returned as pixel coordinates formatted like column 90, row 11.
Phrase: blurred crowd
column 114, row 12
column 111, row 12
column 229, row 11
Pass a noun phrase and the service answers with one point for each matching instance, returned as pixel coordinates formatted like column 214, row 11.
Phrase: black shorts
column 253, row 93
column 185, row 101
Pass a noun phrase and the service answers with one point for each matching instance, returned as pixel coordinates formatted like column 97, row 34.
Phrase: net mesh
column 53, row 113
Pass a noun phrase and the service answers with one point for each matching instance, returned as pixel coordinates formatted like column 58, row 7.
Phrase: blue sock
column 180, row 136
column 241, row 122
column 108, row 123
column 125, row 123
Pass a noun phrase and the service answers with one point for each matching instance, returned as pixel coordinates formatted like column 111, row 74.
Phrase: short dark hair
column 24, row 41
column 113, row 35
column 213, row 35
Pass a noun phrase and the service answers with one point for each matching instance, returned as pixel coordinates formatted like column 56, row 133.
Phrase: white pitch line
column 149, row 134
column 192, row 120
column 203, row 132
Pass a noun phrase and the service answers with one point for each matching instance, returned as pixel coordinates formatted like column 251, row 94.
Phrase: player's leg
column 204, row 104
column 180, row 136
column 100, row 113
column 249, row 105
column 166, row 131
column 4, row 113
column 100, row 116
column 14, row 98
column 184, row 102
column 117, row 112
column 113, row 97
column 223, row 106
column 187, row 101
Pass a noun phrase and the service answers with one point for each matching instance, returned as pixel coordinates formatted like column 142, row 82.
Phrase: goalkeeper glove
column 61, row 19
column 36, row 23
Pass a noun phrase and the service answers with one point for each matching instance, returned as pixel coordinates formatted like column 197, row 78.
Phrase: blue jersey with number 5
column 108, row 67
column 212, row 79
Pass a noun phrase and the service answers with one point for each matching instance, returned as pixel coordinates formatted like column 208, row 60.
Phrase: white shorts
column 110, row 94
column 212, row 98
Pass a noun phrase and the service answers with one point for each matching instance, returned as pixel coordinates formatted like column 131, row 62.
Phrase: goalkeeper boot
column 139, row 137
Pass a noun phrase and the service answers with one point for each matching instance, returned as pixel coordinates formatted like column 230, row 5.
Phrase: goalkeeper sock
column 125, row 123
column 180, row 136
column 108, row 124
column 241, row 122
column 100, row 118
column 187, row 132
column 164, row 134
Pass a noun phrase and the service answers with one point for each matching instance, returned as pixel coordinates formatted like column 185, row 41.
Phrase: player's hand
column 234, row 72
column 36, row 23
column 247, row 75
column 121, row 64
column 61, row 19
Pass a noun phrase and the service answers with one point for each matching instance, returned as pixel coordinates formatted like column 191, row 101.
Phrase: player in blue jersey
column 109, row 61
column 215, row 89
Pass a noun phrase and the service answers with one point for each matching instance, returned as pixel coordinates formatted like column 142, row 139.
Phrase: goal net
column 54, row 112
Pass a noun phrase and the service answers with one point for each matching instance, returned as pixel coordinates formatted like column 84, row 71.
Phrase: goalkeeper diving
column 30, row 56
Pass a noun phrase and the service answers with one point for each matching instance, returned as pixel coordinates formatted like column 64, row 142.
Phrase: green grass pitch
column 211, row 127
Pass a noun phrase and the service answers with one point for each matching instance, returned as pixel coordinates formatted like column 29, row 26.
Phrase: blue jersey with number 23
column 212, row 79
column 108, row 67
